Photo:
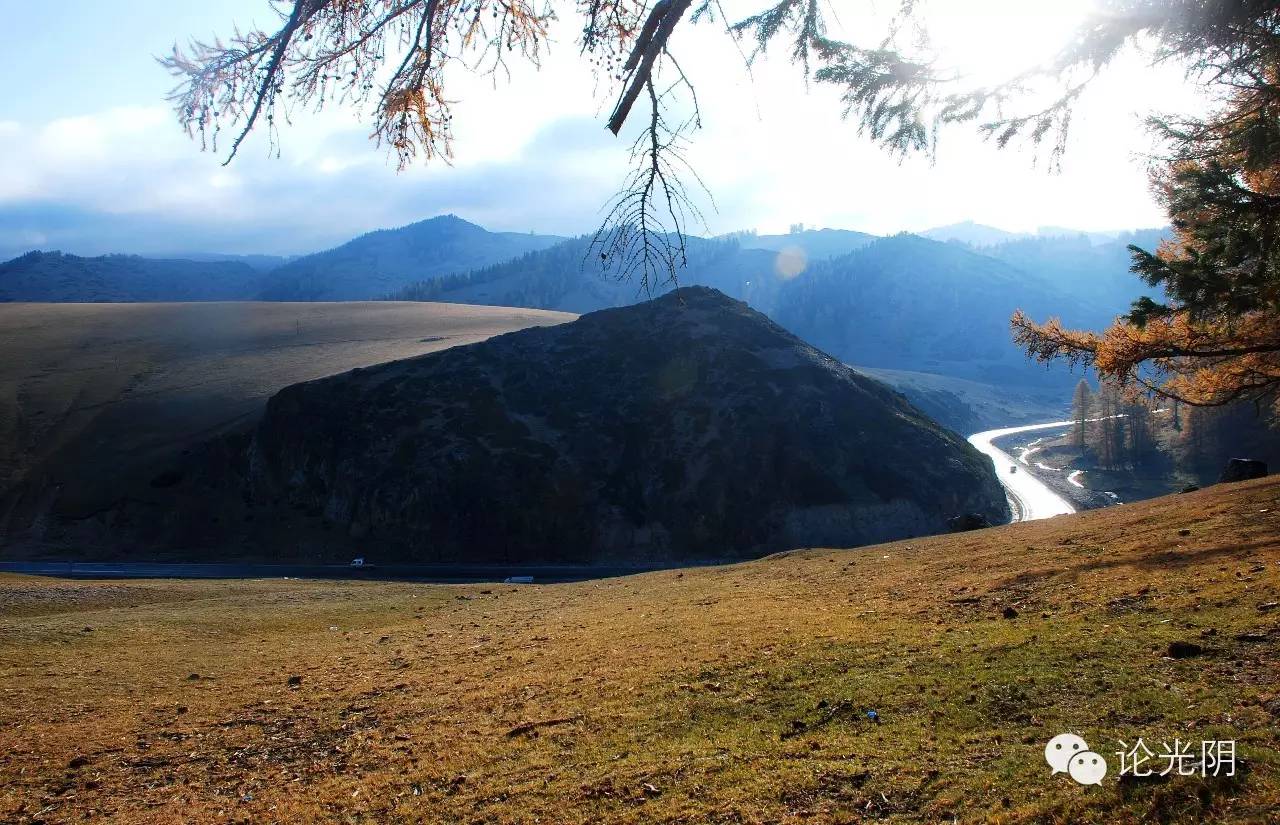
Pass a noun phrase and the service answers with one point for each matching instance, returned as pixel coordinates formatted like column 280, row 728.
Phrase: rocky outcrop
column 1242, row 469
column 688, row 427
column 967, row 521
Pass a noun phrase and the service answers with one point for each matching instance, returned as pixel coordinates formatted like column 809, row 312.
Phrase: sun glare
column 991, row 40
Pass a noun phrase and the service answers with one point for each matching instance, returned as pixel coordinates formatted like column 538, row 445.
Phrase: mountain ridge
column 377, row 263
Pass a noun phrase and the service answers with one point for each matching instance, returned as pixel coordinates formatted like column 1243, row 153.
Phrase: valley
column 640, row 413
column 1030, row 496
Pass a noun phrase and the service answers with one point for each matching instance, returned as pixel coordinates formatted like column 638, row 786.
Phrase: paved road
column 1031, row 498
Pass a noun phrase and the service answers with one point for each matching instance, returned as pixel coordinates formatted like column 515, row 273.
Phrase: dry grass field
column 96, row 399
column 735, row 694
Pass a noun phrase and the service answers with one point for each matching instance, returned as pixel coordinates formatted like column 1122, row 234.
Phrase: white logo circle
column 1061, row 748
column 1088, row 768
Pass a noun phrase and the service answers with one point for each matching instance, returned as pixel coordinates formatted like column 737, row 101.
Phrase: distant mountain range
column 377, row 264
column 907, row 304
column 903, row 302
column 816, row 244
column 57, row 278
column 981, row 235
column 973, row 234
column 369, row 267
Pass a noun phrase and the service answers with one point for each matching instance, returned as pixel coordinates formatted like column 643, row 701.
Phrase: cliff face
column 686, row 427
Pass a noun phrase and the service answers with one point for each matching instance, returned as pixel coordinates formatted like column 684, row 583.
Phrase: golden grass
column 733, row 694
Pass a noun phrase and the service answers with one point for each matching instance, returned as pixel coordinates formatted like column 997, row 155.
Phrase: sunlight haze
column 97, row 162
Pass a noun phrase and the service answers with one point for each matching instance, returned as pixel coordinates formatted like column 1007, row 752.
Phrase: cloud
column 532, row 154
column 127, row 180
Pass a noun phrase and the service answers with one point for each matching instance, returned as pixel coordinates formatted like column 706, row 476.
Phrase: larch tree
column 1142, row 437
column 1081, row 402
column 1214, row 337
column 393, row 57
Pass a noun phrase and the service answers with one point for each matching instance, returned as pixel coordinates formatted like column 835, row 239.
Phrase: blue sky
column 92, row 161
column 90, row 56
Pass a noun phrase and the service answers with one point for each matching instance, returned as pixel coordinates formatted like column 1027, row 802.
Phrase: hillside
column 971, row 406
column 55, row 277
column 99, row 401
column 631, row 434
column 727, row 694
column 379, row 263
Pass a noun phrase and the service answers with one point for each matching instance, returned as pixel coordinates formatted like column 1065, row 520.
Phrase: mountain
column 568, row 277
column 907, row 303
column 369, row 267
column 903, row 304
column 262, row 263
column 1096, row 273
column 899, row 303
column 635, row 434
column 1066, row 232
column 379, row 263
column 974, row 234
column 55, row 277
column 816, row 244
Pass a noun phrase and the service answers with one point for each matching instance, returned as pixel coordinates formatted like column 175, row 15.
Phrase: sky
column 92, row 159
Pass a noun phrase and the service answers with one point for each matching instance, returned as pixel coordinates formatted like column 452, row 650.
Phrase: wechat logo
column 1069, row 754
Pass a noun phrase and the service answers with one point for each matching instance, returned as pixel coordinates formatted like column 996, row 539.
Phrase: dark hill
column 901, row 303
column 379, row 263
column 687, row 427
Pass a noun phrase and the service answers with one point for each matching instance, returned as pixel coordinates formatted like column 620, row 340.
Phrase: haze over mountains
column 367, row 268
column 375, row 265
column 918, row 309
column 57, row 278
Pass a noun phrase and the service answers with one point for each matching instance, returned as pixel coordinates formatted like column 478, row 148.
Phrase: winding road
column 1029, row 497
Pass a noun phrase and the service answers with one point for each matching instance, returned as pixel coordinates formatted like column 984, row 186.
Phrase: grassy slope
column 728, row 694
column 99, row 397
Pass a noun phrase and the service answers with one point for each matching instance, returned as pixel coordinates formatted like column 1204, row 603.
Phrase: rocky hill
column 686, row 427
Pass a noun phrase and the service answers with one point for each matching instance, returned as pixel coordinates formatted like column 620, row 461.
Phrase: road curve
column 1030, row 498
